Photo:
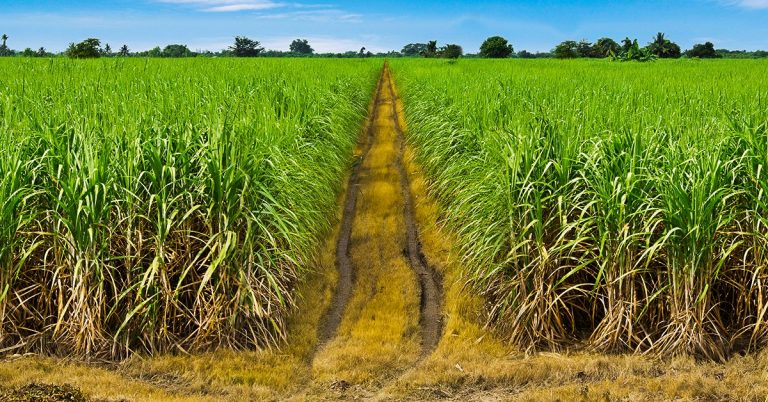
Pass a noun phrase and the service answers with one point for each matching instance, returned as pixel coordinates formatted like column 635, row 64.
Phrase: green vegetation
column 663, row 48
column 87, row 49
column 618, row 206
column 153, row 205
column 631, row 51
column 496, row 47
column 245, row 47
column 301, row 46
column 703, row 51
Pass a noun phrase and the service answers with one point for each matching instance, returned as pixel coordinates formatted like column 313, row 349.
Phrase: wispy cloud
column 328, row 15
column 222, row 6
column 753, row 4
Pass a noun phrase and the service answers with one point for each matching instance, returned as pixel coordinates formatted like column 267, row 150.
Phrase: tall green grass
column 620, row 206
column 161, row 206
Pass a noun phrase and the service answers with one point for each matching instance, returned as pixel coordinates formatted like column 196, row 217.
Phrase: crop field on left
column 153, row 206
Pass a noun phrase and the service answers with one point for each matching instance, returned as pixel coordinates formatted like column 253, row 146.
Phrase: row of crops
column 623, row 207
column 150, row 205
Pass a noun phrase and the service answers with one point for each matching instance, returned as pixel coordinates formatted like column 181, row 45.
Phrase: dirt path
column 385, row 314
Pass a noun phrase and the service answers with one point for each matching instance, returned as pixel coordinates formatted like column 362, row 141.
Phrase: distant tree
column 245, row 47
column 635, row 53
column 496, row 47
column 663, row 48
column 154, row 52
column 42, row 52
column 413, row 49
column 301, row 46
column 4, row 51
column 451, row 51
column 124, row 51
column 567, row 50
column 524, row 54
column 741, row 54
column 176, row 51
column 361, row 53
column 431, row 50
column 584, row 48
column 703, row 51
column 626, row 45
column 107, row 51
column 87, row 49
column 28, row 52
column 604, row 47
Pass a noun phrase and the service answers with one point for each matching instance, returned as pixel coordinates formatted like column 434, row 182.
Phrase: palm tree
column 663, row 47
column 626, row 44
column 4, row 51
column 431, row 50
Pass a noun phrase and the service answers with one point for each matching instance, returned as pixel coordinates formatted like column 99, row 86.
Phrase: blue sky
column 334, row 25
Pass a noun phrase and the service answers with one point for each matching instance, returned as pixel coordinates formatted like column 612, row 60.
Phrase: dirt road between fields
column 386, row 311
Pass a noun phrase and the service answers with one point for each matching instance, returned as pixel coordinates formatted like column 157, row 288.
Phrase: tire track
column 430, row 282
column 332, row 319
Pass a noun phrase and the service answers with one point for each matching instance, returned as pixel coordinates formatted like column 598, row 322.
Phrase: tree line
column 493, row 47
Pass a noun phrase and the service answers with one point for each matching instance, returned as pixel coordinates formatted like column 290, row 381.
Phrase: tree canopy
column 177, row 50
column 301, row 46
column 431, row 50
column 451, row 51
column 663, row 48
column 496, row 47
column 414, row 49
column 703, row 51
column 567, row 50
column 245, row 47
column 604, row 47
column 87, row 49
column 4, row 51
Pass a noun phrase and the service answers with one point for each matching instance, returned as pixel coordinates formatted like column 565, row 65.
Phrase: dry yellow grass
column 378, row 338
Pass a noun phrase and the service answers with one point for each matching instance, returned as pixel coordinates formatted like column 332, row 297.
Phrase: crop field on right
column 618, row 206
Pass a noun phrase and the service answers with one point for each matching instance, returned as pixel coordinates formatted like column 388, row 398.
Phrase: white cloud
column 241, row 7
column 325, row 16
column 754, row 4
column 227, row 5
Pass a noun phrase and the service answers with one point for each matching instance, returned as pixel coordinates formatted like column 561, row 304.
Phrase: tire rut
column 332, row 319
column 430, row 282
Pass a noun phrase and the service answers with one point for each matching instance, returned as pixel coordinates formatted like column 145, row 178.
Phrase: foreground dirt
column 385, row 317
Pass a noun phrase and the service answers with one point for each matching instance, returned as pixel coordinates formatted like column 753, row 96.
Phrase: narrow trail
column 386, row 312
